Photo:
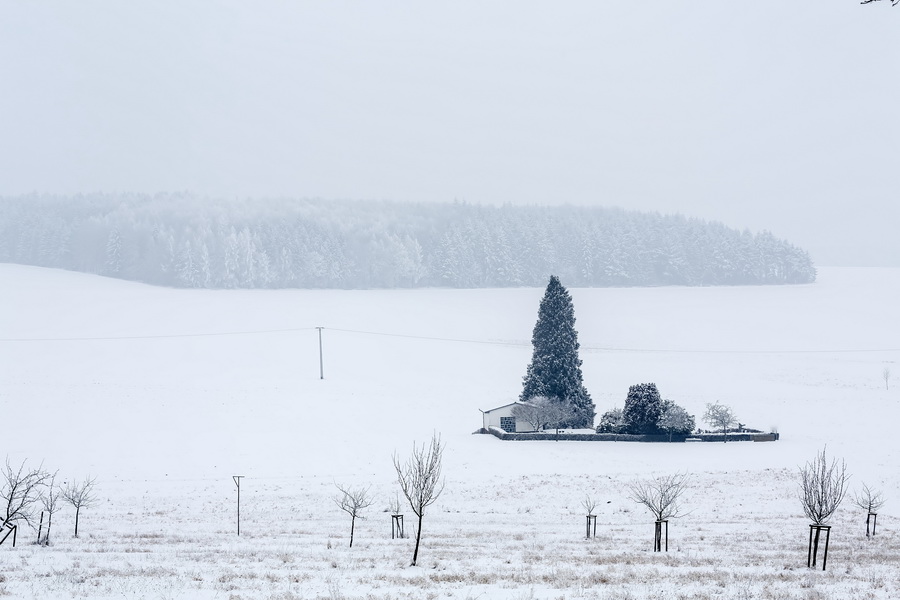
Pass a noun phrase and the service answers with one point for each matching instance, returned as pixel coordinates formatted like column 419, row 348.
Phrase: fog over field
column 288, row 241
column 759, row 115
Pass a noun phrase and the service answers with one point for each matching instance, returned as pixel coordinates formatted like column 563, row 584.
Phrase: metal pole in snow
column 321, row 363
column 237, row 482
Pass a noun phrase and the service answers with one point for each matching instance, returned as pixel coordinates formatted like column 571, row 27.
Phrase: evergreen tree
column 643, row 407
column 555, row 369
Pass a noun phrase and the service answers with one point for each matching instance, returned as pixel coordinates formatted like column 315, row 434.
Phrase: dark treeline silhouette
column 185, row 241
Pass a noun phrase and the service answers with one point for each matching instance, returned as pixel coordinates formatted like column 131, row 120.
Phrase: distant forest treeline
column 184, row 241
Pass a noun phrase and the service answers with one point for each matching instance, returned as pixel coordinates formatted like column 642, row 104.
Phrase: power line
column 615, row 349
column 432, row 338
column 155, row 337
column 517, row 344
column 654, row 350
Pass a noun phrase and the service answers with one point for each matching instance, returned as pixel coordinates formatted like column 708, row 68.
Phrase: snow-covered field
column 128, row 383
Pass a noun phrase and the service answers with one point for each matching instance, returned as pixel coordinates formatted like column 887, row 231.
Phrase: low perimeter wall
column 623, row 437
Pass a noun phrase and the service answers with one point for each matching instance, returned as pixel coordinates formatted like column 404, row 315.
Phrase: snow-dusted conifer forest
column 184, row 241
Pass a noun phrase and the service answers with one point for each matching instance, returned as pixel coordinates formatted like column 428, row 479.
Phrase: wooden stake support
column 396, row 526
column 591, row 530
column 873, row 517
column 658, row 536
column 40, row 527
column 814, row 545
column 10, row 529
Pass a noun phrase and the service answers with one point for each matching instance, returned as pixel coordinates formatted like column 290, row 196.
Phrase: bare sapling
column 352, row 501
column 20, row 490
column 420, row 481
column 870, row 501
column 395, row 507
column 823, row 485
column 661, row 496
column 80, row 494
column 589, row 505
column 50, row 497
column 886, row 375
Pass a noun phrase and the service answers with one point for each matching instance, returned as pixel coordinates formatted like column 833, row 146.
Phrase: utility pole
column 237, row 482
column 321, row 363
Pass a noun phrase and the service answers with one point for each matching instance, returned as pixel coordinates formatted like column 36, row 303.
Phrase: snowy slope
column 173, row 391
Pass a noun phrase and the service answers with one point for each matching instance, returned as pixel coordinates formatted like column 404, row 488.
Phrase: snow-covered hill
column 165, row 394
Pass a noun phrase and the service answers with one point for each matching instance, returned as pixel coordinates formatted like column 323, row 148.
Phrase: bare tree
column 893, row 2
column 661, row 496
column 394, row 505
column 20, row 489
column 532, row 412
column 50, row 497
column 80, row 495
column 870, row 501
column 589, row 504
column 352, row 501
column 542, row 412
column 420, row 481
column 886, row 374
column 720, row 417
column 823, row 485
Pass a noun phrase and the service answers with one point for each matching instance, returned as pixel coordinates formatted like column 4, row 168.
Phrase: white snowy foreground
column 113, row 379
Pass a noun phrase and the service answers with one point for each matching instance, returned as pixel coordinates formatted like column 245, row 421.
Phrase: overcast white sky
column 766, row 115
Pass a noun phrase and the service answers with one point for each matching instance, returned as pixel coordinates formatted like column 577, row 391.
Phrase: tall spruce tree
column 555, row 369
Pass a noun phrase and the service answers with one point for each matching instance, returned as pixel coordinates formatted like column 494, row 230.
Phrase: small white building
column 502, row 417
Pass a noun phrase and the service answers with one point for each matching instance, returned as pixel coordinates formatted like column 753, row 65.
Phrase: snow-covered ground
column 165, row 394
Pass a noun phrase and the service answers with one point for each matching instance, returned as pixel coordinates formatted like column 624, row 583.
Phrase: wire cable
column 515, row 344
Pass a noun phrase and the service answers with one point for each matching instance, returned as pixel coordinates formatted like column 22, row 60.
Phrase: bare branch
column 352, row 501
column 542, row 412
column 80, row 495
column 661, row 494
column 394, row 505
column 420, row 477
column 868, row 499
column 720, row 417
column 589, row 504
column 20, row 489
column 823, row 485
column 420, row 480
column 50, row 497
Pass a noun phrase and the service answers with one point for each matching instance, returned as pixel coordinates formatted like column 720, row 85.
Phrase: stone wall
column 622, row 437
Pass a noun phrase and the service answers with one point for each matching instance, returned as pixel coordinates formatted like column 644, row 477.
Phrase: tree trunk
column 418, row 537
column 77, row 510
column 49, row 523
column 815, row 546
column 352, row 527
